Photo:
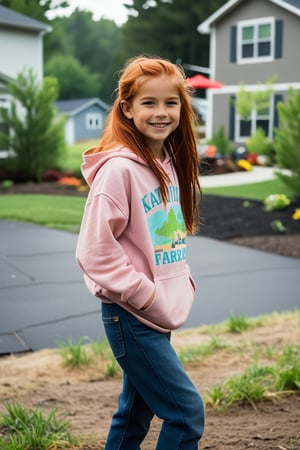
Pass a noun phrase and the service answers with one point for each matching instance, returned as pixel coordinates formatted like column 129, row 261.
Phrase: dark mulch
column 227, row 217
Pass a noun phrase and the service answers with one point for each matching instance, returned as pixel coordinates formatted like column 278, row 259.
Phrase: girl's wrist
column 148, row 302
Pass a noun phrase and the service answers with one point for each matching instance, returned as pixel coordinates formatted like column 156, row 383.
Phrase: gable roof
column 5, row 78
column 290, row 5
column 13, row 19
column 74, row 106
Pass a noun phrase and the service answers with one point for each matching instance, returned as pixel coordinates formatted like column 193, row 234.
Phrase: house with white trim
column 251, row 42
column 85, row 118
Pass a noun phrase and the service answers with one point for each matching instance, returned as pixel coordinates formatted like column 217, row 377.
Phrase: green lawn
column 255, row 191
column 61, row 212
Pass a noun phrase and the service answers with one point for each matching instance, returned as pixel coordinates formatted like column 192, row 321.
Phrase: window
column 93, row 121
column 256, row 40
column 262, row 118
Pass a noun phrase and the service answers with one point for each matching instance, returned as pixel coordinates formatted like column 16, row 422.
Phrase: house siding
column 20, row 50
column 231, row 73
column 76, row 127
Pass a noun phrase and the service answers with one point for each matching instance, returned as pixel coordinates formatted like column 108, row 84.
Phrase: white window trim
column 91, row 120
column 253, row 119
column 255, row 23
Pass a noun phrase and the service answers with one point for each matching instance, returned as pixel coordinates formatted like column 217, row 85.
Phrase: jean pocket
column 114, row 335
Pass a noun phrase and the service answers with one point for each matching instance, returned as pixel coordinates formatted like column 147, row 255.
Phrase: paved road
column 43, row 299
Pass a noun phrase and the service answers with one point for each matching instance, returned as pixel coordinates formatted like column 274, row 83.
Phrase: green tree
column 246, row 101
column 287, row 141
column 37, row 9
column 93, row 43
column 167, row 28
column 36, row 134
column 75, row 80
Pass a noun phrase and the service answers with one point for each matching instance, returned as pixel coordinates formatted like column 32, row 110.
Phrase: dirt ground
column 88, row 400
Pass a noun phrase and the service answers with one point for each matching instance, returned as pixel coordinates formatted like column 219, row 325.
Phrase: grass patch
column 254, row 191
column 30, row 429
column 74, row 354
column 53, row 211
column 259, row 382
column 85, row 352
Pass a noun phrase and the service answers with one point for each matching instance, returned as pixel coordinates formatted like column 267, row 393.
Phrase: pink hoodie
column 130, row 246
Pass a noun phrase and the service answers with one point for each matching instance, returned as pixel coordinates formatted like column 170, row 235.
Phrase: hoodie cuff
column 145, row 291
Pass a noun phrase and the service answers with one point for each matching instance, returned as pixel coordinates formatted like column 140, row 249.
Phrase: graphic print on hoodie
column 131, row 246
column 166, row 226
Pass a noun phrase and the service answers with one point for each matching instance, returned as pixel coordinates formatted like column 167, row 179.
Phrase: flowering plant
column 296, row 215
column 69, row 181
column 276, row 202
column 244, row 165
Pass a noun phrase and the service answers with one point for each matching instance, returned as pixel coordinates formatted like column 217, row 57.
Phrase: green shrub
column 259, row 143
column 219, row 139
column 287, row 142
column 36, row 134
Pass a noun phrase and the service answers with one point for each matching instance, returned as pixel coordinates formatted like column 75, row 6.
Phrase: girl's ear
column 126, row 109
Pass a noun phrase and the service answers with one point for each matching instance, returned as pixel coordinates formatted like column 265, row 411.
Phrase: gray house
column 21, row 47
column 251, row 41
column 84, row 118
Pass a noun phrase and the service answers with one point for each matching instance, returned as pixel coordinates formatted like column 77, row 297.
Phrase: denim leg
column 130, row 422
column 154, row 371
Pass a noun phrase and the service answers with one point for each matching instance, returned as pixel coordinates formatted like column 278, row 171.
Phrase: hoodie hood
column 93, row 160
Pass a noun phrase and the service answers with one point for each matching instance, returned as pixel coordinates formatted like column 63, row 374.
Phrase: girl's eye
column 148, row 102
column 172, row 102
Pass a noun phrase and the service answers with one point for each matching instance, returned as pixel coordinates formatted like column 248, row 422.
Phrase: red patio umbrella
column 201, row 82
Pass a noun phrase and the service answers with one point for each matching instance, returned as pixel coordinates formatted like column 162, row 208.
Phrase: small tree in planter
column 287, row 142
column 260, row 145
column 36, row 134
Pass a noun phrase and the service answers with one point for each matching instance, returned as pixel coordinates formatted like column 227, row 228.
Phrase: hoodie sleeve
column 102, row 258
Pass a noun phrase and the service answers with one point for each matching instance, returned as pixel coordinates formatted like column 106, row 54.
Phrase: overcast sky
column 108, row 9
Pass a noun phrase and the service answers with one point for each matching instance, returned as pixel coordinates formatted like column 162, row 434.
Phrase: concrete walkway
column 256, row 175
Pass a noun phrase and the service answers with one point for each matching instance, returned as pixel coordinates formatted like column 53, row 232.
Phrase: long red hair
column 181, row 144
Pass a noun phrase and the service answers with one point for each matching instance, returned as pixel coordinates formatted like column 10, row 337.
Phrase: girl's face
column 155, row 110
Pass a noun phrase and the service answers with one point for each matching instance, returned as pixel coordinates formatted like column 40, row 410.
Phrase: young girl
column 144, row 185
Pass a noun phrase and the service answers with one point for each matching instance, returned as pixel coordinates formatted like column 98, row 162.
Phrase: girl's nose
column 161, row 110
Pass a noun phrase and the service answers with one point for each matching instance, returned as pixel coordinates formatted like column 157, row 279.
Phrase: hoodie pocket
column 173, row 300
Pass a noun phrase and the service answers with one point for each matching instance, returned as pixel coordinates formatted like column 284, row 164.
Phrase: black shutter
column 278, row 38
column 233, row 43
column 277, row 98
column 231, row 117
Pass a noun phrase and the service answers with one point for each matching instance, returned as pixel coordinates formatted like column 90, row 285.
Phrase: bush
column 287, row 142
column 224, row 146
column 258, row 143
column 36, row 135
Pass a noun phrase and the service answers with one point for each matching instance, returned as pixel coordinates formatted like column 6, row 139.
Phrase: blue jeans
column 154, row 382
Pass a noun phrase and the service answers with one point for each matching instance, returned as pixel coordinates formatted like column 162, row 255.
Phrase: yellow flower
column 296, row 215
column 244, row 165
